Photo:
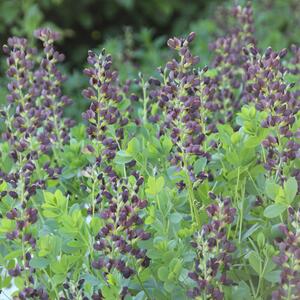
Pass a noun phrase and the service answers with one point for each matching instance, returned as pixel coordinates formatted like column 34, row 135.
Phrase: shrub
column 184, row 185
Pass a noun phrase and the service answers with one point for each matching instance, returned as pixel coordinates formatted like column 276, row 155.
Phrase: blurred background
column 135, row 31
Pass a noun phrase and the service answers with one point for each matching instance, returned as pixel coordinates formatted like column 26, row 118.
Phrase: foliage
column 184, row 184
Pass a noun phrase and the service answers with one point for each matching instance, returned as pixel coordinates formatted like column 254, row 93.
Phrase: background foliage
column 135, row 32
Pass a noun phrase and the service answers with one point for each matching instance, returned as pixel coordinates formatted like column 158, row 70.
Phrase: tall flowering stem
column 116, row 244
column 105, row 121
column 114, row 199
column 230, row 57
column 289, row 259
column 48, row 81
column 267, row 88
column 29, row 118
column 214, row 252
column 185, row 97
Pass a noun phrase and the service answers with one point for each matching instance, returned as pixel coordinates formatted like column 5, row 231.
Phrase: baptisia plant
column 31, row 135
column 181, row 185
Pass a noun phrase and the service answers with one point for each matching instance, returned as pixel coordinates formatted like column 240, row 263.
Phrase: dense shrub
column 182, row 185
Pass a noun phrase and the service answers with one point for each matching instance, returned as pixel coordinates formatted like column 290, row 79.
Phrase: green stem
column 145, row 102
column 242, row 213
column 261, row 278
column 52, row 284
column 195, row 216
column 93, row 197
column 142, row 286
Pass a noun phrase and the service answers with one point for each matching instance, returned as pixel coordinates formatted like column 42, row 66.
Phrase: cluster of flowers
column 266, row 87
column 183, row 95
column 73, row 291
column 214, row 251
column 229, row 61
column 288, row 259
column 117, row 201
column 35, row 104
column 103, row 114
column 121, row 210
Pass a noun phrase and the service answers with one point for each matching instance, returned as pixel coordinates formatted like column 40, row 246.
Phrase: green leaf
column 275, row 231
column 250, row 231
column 211, row 73
column 253, row 142
column 122, row 157
column 272, row 189
column 58, row 279
column 155, row 185
column 133, row 147
column 5, row 282
column 260, row 239
column 169, row 286
column 175, row 266
column 139, row 296
column 242, row 291
column 19, row 282
column 290, row 189
column 176, row 217
column 163, row 273
column 55, row 204
column 13, row 254
column 7, row 225
column 94, row 281
column 200, row 164
column 3, row 186
column 166, row 144
column 235, row 137
column 274, row 210
column 95, row 225
column 273, row 276
column 153, row 150
column 39, row 262
column 60, row 198
column 255, row 262
column 270, row 265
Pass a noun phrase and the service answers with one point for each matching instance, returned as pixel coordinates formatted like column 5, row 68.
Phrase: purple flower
column 214, row 251
column 289, row 254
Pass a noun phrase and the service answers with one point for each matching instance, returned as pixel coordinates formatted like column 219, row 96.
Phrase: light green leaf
column 250, row 231
column 176, row 217
column 122, row 157
column 7, row 225
column 272, row 189
column 273, row 276
column 58, row 279
column 274, row 210
column 19, row 282
column 166, row 144
column 155, row 185
column 139, row 296
column 133, row 147
column 200, row 164
column 94, row 281
column 290, row 189
column 260, row 239
column 242, row 291
column 255, row 262
column 163, row 273
column 13, row 254
column 39, row 262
